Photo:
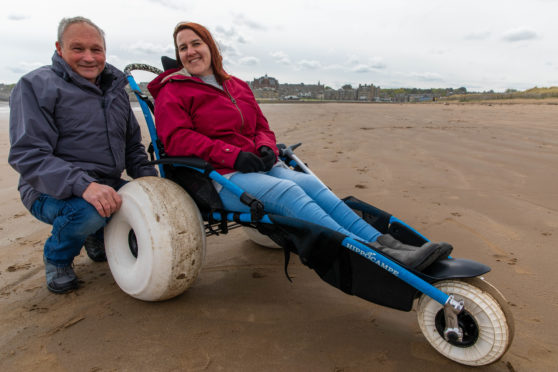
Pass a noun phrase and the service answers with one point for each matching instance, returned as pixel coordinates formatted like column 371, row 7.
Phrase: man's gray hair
column 65, row 22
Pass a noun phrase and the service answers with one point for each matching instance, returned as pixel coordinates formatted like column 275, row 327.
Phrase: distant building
column 330, row 94
column 347, row 94
column 267, row 87
column 367, row 92
column 310, row 91
column 265, row 83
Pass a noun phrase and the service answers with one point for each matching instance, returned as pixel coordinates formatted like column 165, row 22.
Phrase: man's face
column 83, row 49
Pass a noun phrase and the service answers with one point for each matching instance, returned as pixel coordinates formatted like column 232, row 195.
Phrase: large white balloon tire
column 492, row 316
column 260, row 239
column 166, row 255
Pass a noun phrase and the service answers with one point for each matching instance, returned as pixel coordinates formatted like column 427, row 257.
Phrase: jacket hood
column 173, row 74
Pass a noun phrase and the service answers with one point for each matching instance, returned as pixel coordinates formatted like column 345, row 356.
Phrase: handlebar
column 143, row 67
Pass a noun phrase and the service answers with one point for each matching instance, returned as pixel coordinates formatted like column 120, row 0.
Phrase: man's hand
column 104, row 198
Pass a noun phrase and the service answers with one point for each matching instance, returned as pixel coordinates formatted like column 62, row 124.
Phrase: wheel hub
column 133, row 243
column 466, row 323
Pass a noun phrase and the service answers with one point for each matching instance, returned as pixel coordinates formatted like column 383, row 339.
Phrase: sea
column 4, row 116
column 4, row 109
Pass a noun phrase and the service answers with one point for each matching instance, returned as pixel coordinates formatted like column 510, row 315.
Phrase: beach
column 482, row 176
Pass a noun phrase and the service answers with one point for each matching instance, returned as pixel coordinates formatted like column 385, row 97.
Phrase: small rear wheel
column 486, row 321
column 155, row 243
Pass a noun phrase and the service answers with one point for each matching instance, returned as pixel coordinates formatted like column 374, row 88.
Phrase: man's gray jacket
column 66, row 132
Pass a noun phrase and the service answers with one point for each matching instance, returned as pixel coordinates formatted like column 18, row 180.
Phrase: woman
column 202, row 111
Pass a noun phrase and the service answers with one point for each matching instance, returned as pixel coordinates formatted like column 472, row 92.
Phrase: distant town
column 269, row 89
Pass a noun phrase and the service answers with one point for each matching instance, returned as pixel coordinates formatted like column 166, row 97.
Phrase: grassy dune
column 533, row 93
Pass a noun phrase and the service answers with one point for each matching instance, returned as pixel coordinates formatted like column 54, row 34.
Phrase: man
column 72, row 133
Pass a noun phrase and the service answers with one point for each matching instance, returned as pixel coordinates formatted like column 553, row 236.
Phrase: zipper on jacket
column 233, row 100
column 104, row 105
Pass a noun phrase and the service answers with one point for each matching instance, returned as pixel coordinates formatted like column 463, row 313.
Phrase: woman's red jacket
column 196, row 119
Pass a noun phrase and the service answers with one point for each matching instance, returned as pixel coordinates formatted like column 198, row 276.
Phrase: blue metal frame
column 349, row 243
column 149, row 120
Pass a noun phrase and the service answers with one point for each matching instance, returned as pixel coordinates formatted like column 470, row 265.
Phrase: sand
column 481, row 176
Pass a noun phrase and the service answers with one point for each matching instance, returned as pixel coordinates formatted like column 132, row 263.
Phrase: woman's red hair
column 205, row 35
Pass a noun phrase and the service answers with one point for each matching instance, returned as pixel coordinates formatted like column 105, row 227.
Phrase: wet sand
column 481, row 176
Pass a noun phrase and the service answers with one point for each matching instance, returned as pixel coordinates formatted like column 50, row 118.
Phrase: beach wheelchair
column 155, row 247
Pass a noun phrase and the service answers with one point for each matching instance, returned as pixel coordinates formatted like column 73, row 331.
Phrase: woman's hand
column 246, row 162
column 268, row 157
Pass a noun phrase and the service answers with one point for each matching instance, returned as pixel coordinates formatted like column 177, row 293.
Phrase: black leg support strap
column 256, row 206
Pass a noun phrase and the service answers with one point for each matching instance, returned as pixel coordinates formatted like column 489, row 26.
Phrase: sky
column 478, row 44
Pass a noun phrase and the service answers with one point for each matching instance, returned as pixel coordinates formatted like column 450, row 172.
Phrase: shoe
column 389, row 241
column 95, row 249
column 60, row 279
column 418, row 258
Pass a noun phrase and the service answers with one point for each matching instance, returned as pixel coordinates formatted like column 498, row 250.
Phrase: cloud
column 113, row 59
column 426, row 76
column 228, row 40
column 334, row 67
column 241, row 20
column 150, row 48
column 368, row 67
column 281, row 57
column 220, row 30
column 377, row 63
column 227, row 48
column 439, row 52
column 481, row 35
column 362, row 69
column 25, row 67
column 519, row 34
column 230, row 35
column 372, row 64
column 352, row 65
column 248, row 61
column 17, row 17
column 172, row 4
column 309, row 65
column 353, row 60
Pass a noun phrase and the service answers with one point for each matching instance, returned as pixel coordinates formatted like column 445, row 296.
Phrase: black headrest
column 169, row 63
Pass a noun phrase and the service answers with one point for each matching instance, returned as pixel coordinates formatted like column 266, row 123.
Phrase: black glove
column 246, row 162
column 268, row 157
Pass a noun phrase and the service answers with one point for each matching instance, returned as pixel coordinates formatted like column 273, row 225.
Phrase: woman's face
column 194, row 53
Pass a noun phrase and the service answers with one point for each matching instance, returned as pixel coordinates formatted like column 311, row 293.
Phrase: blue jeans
column 295, row 194
column 72, row 220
